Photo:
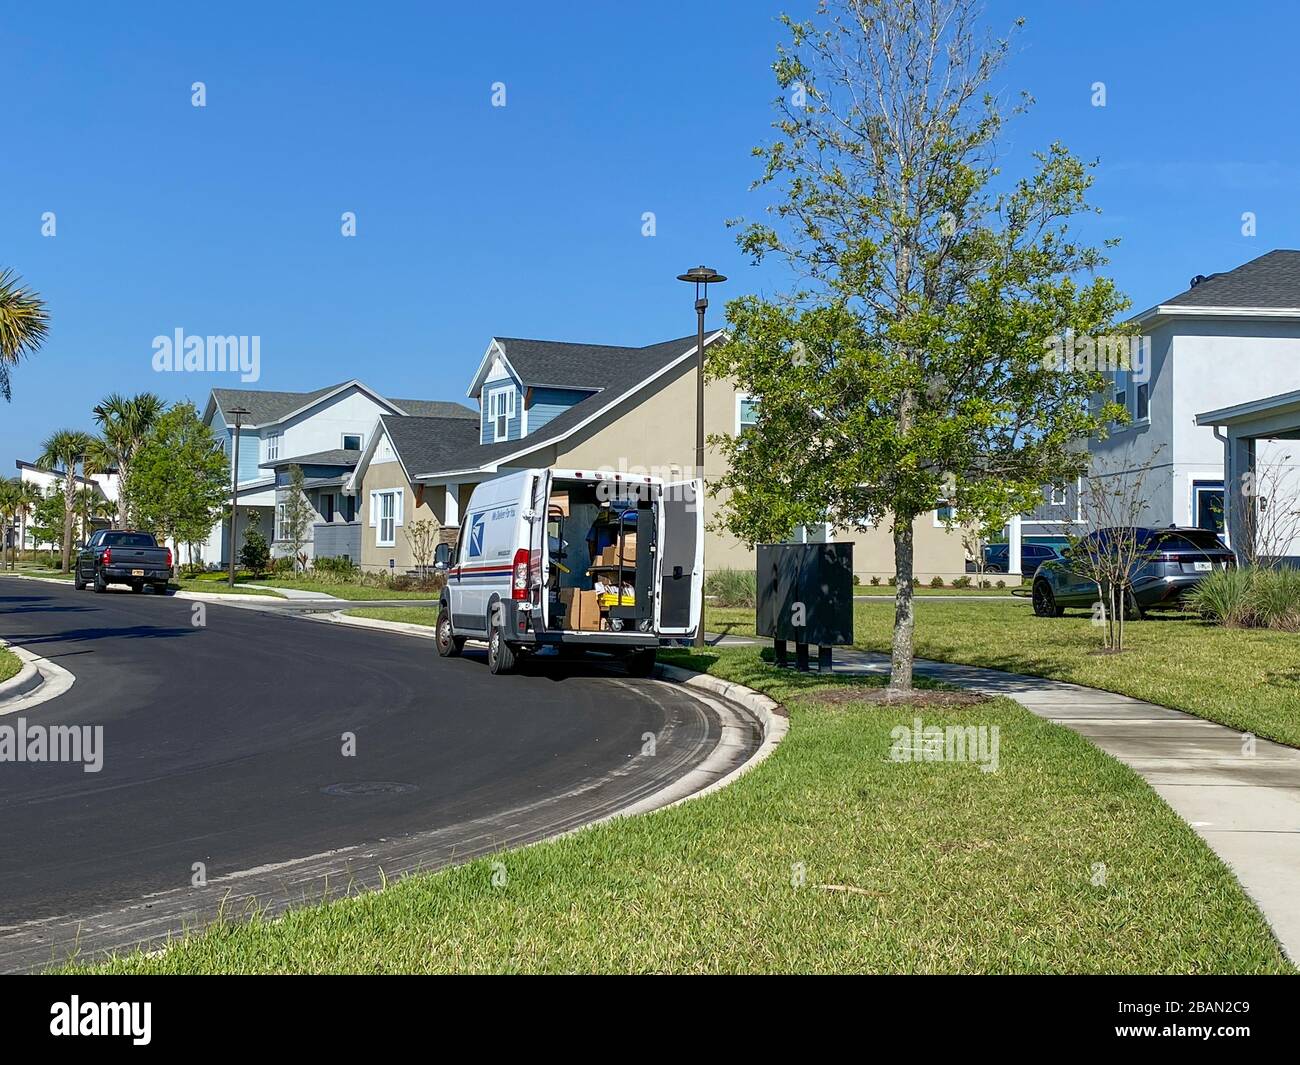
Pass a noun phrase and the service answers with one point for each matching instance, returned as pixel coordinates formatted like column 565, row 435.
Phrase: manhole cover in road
column 369, row 787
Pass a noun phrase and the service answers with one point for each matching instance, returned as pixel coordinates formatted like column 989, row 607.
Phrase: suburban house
column 1218, row 395
column 104, row 485
column 582, row 406
column 325, row 432
column 1212, row 401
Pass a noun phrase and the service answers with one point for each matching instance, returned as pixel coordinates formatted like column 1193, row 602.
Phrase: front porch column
column 1239, row 490
column 451, row 506
column 1013, row 545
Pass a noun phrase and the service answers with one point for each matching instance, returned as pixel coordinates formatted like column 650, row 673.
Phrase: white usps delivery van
column 576, row 560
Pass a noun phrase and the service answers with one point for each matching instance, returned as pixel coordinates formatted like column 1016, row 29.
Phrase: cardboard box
column 561, row 500
column 582, row 609
column 610, row 556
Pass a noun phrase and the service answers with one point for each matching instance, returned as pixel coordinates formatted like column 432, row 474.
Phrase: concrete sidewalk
column 1240, row 794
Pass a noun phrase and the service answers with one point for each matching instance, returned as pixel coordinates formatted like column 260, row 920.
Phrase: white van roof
column 605, row 475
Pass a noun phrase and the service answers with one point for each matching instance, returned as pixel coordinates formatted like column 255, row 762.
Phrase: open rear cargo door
column 539, row 555
column 679, row 563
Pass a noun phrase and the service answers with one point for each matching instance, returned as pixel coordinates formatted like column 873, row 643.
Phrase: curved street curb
column 766, row 714
column 39, row 681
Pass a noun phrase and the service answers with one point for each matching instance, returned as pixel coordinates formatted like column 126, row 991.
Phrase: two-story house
column 324, row 432
column 1224, row 352
column 1213, row 426
column 588, row 407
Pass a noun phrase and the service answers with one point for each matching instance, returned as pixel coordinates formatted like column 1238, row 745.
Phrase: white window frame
column 387, row 524
column 1138, row 389
column 741, row 399
column 272, row 446
column 501, row 408
column 343, row 441
column 1059, row 490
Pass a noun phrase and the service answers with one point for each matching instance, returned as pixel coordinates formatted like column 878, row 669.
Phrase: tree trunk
column 69, row 513
column 903, row 650
column 122, row 515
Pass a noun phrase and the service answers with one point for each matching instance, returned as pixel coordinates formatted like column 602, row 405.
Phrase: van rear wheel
column 501, row 656
column 449, row 644
column 641, row 663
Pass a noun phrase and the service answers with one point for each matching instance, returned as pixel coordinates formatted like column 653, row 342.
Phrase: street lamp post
column 238, row 413
column 702, row 277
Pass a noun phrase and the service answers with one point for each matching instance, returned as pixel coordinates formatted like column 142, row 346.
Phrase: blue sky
column 525, row 220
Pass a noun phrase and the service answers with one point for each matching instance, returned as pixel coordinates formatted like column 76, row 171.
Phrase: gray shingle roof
column 620, row 372
column 272, row 406
column 425, row 443
column 565, row 365
column 346, row 458
column 1272, row 280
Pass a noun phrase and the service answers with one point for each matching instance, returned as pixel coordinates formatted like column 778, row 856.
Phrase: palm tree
column 93, row 506
column 24, row 323
column 8, row 509
column 29, row 495
column 60, row 452
column 124, row 422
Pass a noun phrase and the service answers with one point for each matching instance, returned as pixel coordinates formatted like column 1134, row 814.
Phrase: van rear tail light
column 108, row 556
column 519, row 579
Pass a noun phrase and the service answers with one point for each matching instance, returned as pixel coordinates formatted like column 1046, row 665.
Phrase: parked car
column 116, row 556
column 997, row 557
column 1166, row 563
column 576, row 561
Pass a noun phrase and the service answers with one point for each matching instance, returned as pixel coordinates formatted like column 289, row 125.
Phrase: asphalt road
column 223, row 745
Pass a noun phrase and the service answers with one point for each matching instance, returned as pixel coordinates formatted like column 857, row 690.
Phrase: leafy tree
column 908, row 364
column 125, row 423
column 29, row 495
column 255, row 554
column 298, row 515
column 62, row 450
column 47, row 515
column 24, row 324
column 178, row 477
column 10, row 492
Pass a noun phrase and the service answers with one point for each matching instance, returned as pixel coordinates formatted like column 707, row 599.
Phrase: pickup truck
column 115, row 556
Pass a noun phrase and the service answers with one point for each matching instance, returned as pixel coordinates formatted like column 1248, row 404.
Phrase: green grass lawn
column 10, row 664
column 829, row 857
column 342, row 590
column 1245, row 678
column 38, row 569
column 926, row 590
column 412, row 615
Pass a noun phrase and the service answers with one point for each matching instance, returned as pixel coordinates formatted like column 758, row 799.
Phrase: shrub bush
column 936, row 581
column 1001, row 584
column 961, row 582
column 875, row 580
column 339, row 570
column 1249, row 597
column 732, row 587
column 255, row 554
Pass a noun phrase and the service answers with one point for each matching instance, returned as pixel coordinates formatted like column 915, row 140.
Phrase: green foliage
column 1249, row 597
column 47, row 516
column 936, row 582
column 961, row 582
column 179, row 477
column 298, row 514
column 732, row 587
column 125, row 423
column 911, row 365
column 334, row 568
column 24, row 324
column 255, row 553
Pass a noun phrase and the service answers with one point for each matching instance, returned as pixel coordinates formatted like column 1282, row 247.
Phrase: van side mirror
column 442, row 556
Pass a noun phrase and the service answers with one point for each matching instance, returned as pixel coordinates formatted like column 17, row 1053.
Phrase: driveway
column 224, row 755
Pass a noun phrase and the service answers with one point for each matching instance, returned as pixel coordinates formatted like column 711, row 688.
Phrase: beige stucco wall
column 415, row 507
column 660, row 431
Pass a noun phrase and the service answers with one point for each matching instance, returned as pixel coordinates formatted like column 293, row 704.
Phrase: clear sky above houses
column 525, row 220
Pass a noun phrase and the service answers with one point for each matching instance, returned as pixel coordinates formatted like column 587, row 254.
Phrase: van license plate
column 137, row 573
column 1203, row 567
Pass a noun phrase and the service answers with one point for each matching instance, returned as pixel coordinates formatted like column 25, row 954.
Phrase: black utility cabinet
column 812, row 583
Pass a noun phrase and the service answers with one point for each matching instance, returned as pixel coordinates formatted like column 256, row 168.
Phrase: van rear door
column 679, row 562
column 539, row 561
